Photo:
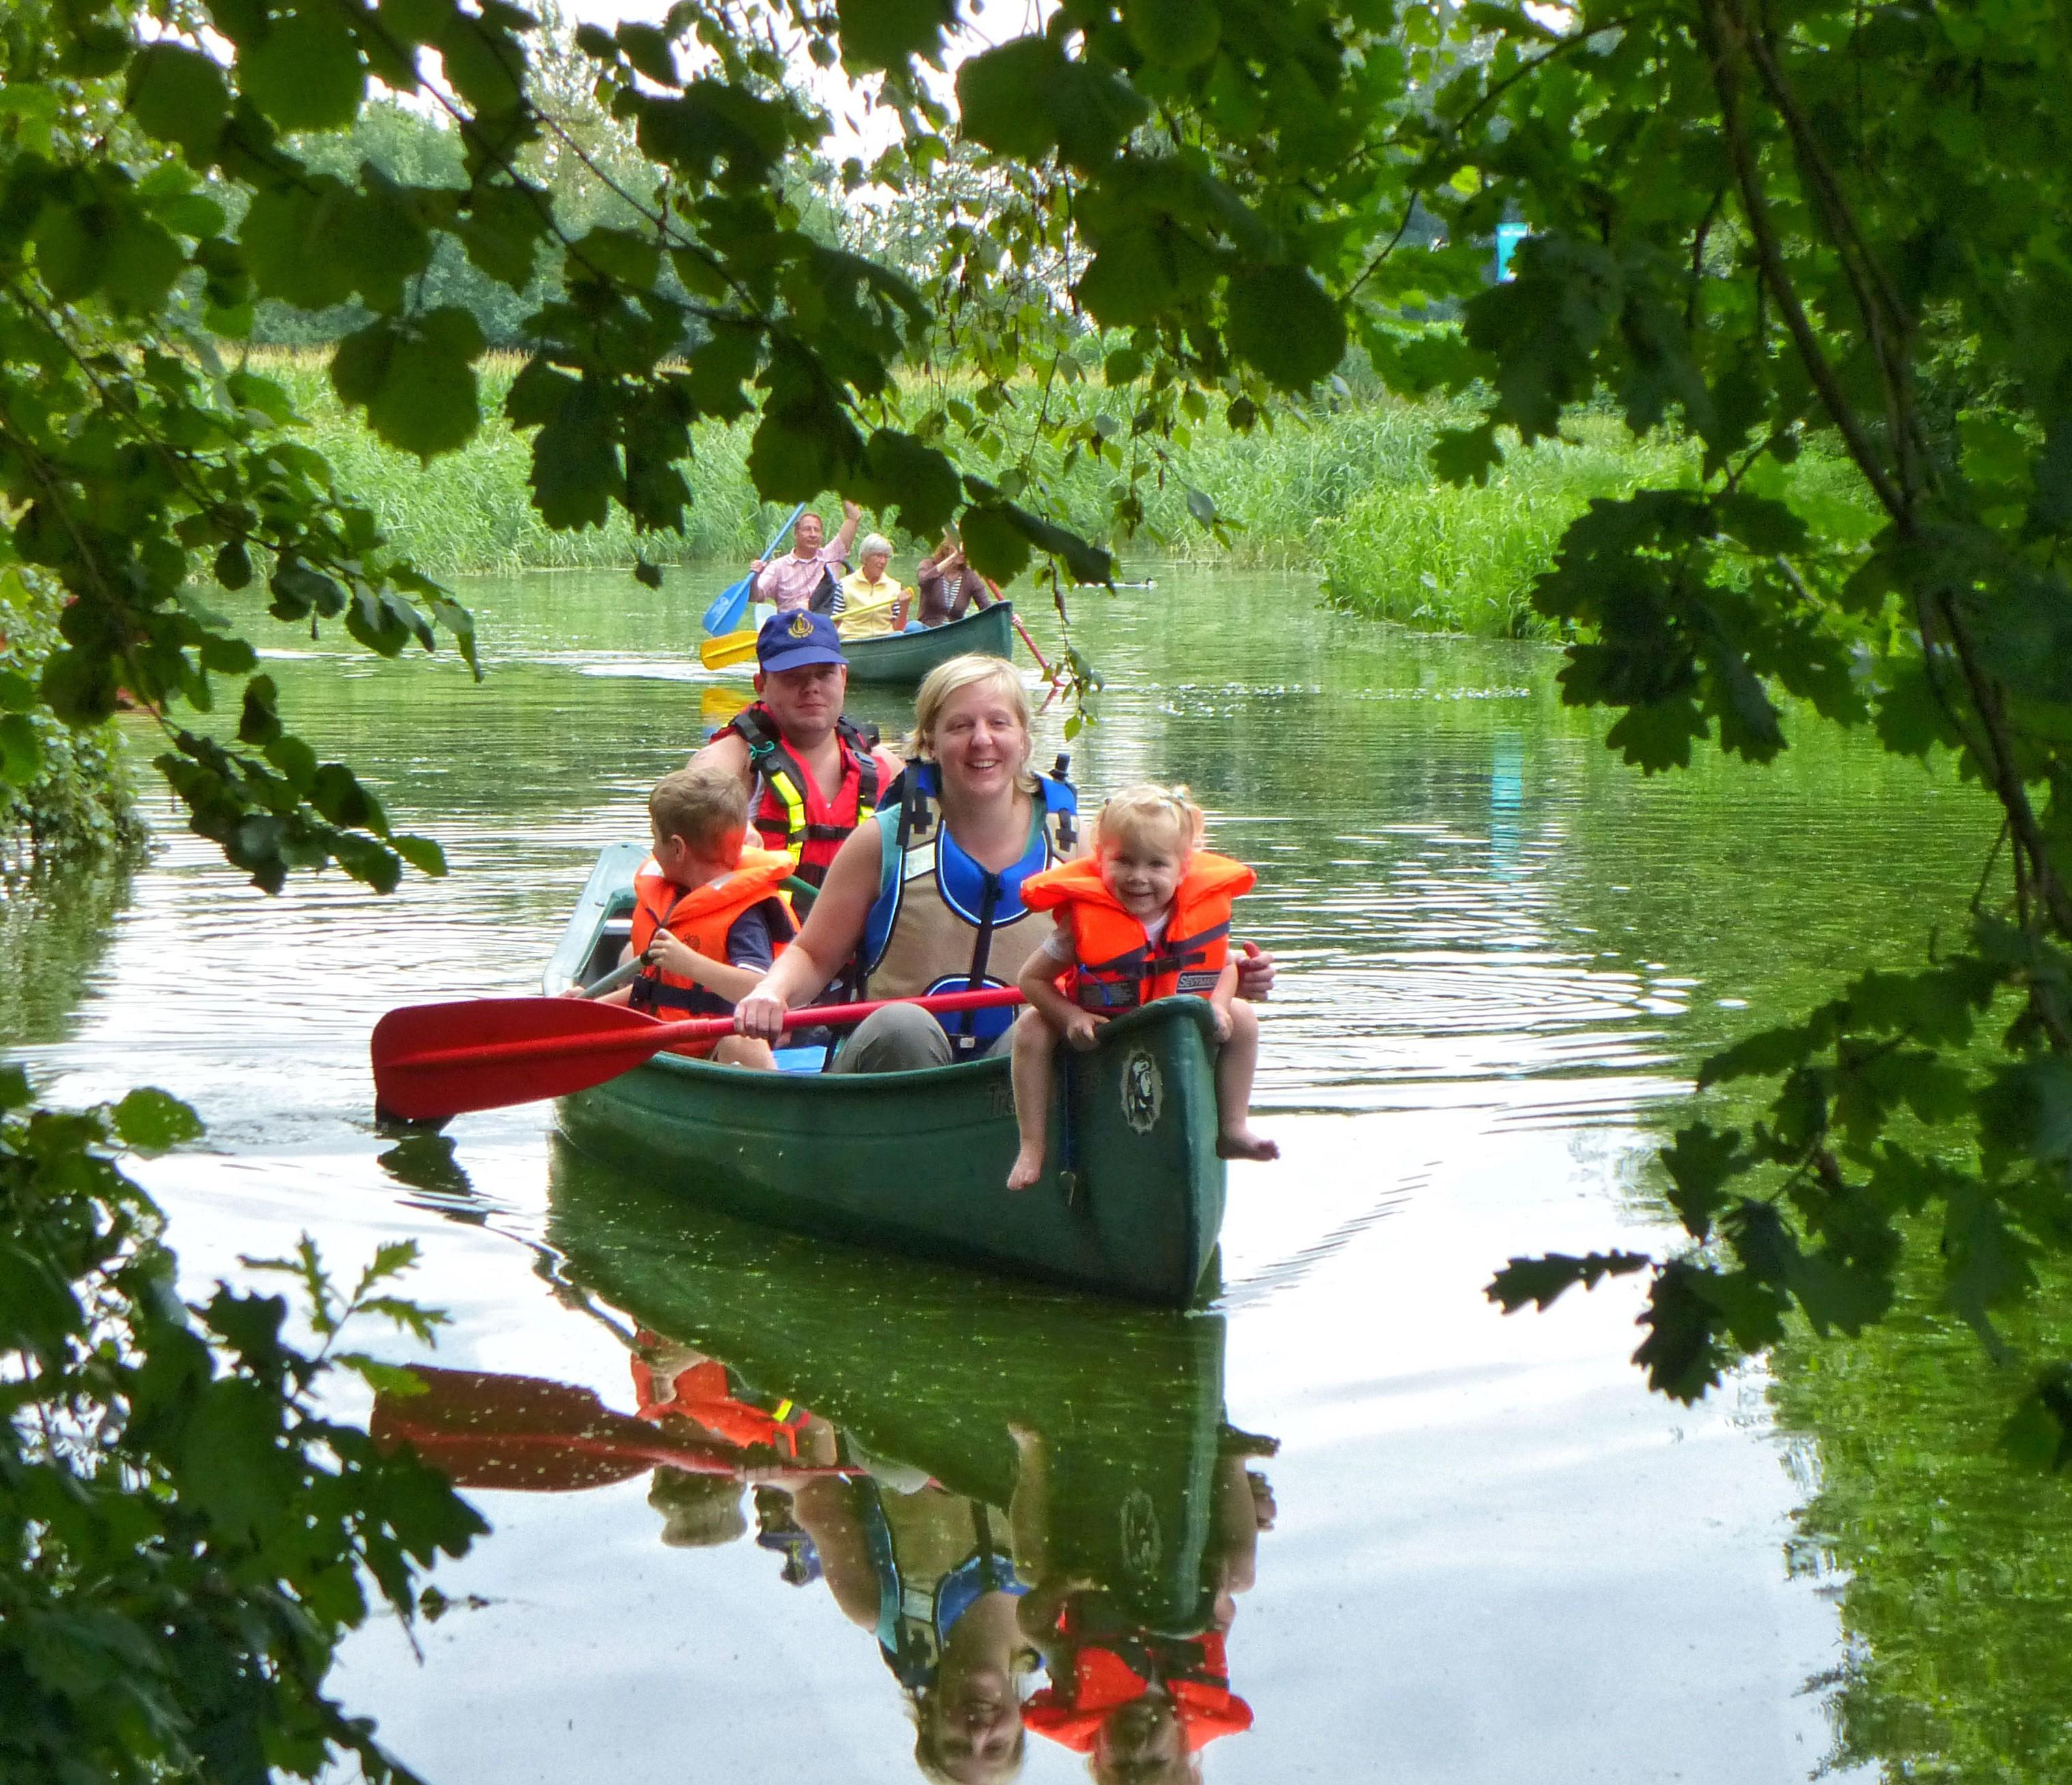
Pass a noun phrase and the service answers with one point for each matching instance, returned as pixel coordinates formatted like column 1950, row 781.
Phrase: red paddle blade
column 434, row 1060
column 521, row 1432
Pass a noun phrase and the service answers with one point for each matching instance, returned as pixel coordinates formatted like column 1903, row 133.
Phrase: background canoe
column 918, row 1161
column 904, row 658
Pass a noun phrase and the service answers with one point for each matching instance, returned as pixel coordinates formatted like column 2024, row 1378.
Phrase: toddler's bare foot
column 1241, row 1143
column 1027, row 1168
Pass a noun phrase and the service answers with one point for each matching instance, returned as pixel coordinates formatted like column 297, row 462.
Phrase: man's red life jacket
column 791, row 813
column 700, row 916
column 704, row 1393
column 1120, row 968
column 1193, row 1670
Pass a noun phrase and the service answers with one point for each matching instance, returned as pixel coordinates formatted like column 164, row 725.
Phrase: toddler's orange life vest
column 1119, row 966
column 700, row 916
column 1192, row 1669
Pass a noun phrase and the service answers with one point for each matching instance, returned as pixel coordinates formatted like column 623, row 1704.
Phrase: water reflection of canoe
column 918, row 1161
column 921, row 1366
column 904, row 658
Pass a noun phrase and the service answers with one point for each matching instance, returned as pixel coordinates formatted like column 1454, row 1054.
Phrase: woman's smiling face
column 980, row 740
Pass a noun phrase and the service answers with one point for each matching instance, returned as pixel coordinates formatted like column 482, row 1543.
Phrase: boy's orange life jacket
column 790, row 813
column 704, row 1393
column 1193, row 1671
column 700, row 916
column 1120, row 968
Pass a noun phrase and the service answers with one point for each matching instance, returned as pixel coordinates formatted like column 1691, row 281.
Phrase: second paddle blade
column 435, row 1060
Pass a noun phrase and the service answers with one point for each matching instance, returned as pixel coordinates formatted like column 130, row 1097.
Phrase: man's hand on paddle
column 1255, row 971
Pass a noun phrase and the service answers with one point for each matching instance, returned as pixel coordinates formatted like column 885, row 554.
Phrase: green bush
column 185, row 1539
column 80, row 802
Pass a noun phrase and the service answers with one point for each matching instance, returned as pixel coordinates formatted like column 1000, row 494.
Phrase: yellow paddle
column 724, row 652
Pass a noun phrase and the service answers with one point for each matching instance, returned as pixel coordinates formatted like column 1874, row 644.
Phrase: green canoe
column 904, row 658
column 918, row 1161
column 920, row 1365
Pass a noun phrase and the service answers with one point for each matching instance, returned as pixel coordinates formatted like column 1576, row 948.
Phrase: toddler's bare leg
column 1034, row 1043
column 1234, row 1067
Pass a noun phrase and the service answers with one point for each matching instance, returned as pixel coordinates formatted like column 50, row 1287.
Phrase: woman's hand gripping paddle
column 435, row 1060
column 728, row 606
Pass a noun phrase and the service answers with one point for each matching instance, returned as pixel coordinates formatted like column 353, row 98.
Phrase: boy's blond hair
column 1148, row 810
column 701, row 806
column 960, row 673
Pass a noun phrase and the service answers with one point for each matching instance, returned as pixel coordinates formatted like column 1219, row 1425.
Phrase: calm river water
column 1489, row 1553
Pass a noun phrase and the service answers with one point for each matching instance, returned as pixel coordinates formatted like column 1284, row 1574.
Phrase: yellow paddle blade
column 721, row 653
column 717, row 705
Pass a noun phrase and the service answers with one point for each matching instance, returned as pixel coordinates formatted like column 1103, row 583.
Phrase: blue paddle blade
column 724, row 614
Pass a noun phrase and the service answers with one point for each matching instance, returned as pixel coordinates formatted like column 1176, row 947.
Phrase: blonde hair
column 701, row 806
column 1147, row 809
column 970, row 671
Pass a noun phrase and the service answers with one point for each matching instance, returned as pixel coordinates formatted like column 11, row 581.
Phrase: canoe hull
column 903, row 659
column 1131, row 1206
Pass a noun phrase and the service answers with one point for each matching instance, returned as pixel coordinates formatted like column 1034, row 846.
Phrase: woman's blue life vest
column 914, row 1621
column 941, row 922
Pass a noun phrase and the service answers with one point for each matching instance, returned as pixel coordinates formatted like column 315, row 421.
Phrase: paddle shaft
column 777, row 539
column 1030, row 643
column 707, row 1029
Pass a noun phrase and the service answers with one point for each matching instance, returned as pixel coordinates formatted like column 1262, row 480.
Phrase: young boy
column 1147, row 917
column 708, row 915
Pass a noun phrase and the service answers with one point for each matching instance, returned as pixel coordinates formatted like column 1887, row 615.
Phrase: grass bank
column 1346, row 493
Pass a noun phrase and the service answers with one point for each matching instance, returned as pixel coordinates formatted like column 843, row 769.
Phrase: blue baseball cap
column 794, row 640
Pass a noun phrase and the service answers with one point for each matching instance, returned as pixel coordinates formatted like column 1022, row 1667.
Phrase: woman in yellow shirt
column 872, row 604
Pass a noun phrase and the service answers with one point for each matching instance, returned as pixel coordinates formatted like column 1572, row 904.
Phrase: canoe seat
column 801, row 1059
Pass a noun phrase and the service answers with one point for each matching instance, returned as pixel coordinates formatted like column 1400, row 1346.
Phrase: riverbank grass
column 1346, row 491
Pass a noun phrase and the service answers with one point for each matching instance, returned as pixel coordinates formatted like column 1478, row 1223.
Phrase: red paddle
column 435, row 1060
column 487, row 1431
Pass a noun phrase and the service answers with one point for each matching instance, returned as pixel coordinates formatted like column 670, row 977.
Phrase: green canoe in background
column 904, row 658
column 918, row 1161
column 920, row 1366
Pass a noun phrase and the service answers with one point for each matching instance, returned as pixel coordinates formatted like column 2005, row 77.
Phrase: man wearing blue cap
column 811, row 776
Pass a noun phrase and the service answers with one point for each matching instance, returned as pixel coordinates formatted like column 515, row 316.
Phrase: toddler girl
column 1147, row 917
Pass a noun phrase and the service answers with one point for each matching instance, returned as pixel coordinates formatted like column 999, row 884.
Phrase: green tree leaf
column 306, row 73
column 416, row 379
column 1281, row 320
column 180, row 94
column 150, row 1121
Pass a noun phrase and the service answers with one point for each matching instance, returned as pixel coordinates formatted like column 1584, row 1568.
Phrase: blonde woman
column 928, row 897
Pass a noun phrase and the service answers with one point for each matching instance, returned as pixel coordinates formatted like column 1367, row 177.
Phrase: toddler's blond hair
column 1149, row 809
column 701, row 806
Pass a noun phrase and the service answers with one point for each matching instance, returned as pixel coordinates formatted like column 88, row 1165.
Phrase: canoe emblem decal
column 1143, row 1091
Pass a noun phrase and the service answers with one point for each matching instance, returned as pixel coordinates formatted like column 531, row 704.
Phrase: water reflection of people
column 1046, row 1553
column 930, row 1573
column 1140, row 1704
